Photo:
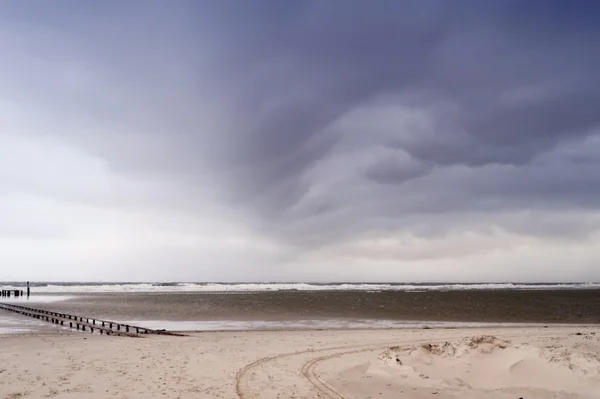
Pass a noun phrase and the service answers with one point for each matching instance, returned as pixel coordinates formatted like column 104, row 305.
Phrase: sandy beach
column 498, row 363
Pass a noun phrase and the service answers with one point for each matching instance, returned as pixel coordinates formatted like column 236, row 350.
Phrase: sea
column 148, row 287
column 202, row 306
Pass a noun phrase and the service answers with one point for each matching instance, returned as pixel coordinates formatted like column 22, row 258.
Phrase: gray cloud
column 326, row 122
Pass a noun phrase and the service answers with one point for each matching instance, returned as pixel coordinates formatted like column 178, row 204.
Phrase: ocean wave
column 265, row 287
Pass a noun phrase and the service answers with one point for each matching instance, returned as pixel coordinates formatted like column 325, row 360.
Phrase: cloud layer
column 308, row 141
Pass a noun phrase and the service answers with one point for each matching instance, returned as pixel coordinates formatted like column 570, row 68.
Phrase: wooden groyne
column 83, row 323
column 8, row 293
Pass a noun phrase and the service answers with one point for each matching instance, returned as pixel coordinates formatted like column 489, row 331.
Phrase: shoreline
column 22, row 325
column 409, row 325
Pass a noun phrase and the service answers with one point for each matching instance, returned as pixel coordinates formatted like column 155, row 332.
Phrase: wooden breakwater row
column 83, row 323
column 8, row 293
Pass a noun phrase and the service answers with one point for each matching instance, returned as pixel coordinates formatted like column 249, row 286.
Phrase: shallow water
column 35, row 299
column 236, row 325
column 12, row 323
column 16, row 324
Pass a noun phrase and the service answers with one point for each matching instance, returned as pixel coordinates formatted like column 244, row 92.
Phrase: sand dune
column 480, row 366
column 503, row 363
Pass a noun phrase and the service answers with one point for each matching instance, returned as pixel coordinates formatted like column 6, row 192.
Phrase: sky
column 209, row 140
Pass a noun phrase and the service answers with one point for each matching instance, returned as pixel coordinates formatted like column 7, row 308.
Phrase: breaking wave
column 84, row 287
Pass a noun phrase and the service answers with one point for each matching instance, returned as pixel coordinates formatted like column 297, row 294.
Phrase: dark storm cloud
column 522, row 79
column 281, row 103
column 393, row 172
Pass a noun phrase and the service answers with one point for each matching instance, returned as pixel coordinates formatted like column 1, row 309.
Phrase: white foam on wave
column 261, row 287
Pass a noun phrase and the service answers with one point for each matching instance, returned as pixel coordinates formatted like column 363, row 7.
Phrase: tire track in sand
column 242, row 376
column 310, row 373
column 244, row 373
column 309, row 368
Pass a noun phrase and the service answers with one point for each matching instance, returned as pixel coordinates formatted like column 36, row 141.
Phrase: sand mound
column 584, row 364
column 488, row 364
column 479, row 344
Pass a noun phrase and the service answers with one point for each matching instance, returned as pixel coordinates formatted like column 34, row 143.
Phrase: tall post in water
column 28, row 290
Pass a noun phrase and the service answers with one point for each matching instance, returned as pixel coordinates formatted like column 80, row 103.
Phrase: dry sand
column 532, row 363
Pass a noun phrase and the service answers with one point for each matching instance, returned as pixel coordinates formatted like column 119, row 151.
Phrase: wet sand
column 567, row 306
